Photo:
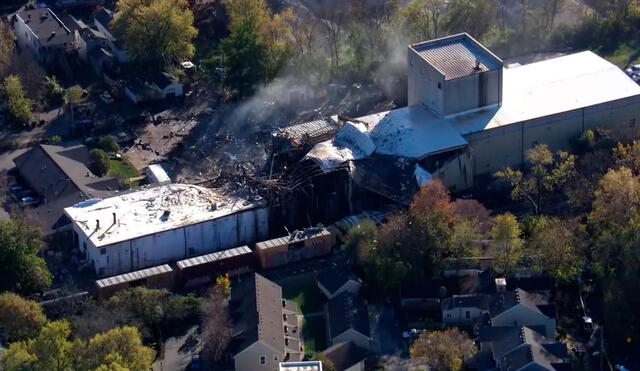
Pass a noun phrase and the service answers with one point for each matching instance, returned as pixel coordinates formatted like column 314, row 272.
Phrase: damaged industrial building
column 468, row 116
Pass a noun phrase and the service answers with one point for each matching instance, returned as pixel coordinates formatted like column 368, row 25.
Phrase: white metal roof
column 133, row 276
column 218, row 255
column 530, row 91
column 550, row 87
column 152, row 210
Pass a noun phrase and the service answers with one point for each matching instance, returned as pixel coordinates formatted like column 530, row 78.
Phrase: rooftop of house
column 505, row 343
column 334, row 279
column 347, row 311
column 152, row 210
column 46, row 25
column 467, row 301
column 256, row 311
column 457, row 56
column 530, row 91
column 345, row 355
column 61, row 176
column 528, row 353
column 506, row 300
column 104, row 16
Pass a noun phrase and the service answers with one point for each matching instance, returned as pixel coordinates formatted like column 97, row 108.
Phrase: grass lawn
column 623, row 55
column 122, row 169
column 306, row 294
column 313, row 332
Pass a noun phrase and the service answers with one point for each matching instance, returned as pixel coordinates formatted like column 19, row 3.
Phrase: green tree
column 20, row 319
column 119, row 348
column 259, row 44
column 109, row 143
column 443, row 350
column 50, row 350
column 555, row 248
column 54, row 92
column 421, row 20
column 21, row 269
column 547, row 174
column 472, row 16
column 19, row 104
column 99, row 162
column 155, row 32
column 7, row 45
column 508, row 251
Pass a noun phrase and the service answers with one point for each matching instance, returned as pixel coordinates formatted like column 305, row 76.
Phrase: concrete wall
column 249, row 358
column 425, row 84
column 234, row 230
column 464, row 94
column 520, row 315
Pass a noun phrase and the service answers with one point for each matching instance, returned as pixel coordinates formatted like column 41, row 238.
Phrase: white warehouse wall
column 242, row 228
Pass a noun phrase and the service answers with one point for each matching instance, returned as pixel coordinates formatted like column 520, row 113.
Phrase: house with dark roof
column 159, row 86
column 465, row 310
column 102, row 20
column 346, row 356
column 519, row 348
column 522, row 308
column 265, row 328
column 333, row 282
column 348, row 320
column 40, row 31
column 61, row 177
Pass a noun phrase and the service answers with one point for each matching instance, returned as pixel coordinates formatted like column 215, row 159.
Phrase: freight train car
column 300, row 245
column 204, row 268
column 160, row 277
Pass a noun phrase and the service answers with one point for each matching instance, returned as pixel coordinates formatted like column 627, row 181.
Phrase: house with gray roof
column 346, row 356
column 465, row 310
column 102, row 20
column 265, row 326
column 522, row 308
column 61, row 177
column 348, row 320
column 42, row 33
column 519, row 348
column 333, row 282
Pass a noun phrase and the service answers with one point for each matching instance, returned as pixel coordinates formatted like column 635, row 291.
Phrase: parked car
column 24, row 193
column 411, row 334
column 15, row 189
column 26, row 201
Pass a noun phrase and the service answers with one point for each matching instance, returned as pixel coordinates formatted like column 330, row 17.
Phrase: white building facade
column 162, row 224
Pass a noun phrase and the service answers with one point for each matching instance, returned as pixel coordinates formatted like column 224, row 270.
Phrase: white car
column 26, row 201
column 106, row 97
column 410, row 334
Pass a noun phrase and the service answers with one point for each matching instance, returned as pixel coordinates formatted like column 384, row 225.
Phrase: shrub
column 99, row 162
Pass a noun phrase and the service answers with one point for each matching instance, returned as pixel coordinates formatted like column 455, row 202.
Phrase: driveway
column 386, row 330
column 178, row 351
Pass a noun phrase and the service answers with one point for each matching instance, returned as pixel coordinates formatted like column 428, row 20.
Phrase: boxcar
column 160, row 277
column 203, row 268
column 298, row 246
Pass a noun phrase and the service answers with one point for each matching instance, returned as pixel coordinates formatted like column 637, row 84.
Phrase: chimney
column 114, row 218
column 97, row 224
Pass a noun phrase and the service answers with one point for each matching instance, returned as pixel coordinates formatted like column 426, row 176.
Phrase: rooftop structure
column 152, row 210
column 457, row 56
column 466, row 301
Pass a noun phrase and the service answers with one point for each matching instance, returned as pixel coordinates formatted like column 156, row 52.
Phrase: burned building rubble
column 468, row 116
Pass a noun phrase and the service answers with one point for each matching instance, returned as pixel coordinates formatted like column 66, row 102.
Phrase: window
column 263, row 360
column 440, row 85
column 103, row 251
column 275, row 358
column 84, row 246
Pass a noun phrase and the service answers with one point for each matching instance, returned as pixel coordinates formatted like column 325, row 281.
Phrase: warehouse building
column 469, row 116
column 164, row 223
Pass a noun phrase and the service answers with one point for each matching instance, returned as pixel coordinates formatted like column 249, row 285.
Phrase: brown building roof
column 256, row 311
